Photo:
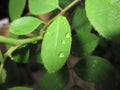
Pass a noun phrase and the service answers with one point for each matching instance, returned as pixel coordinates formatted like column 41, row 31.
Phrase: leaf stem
column 42, row 31
column 12, row 41
column 69, row 6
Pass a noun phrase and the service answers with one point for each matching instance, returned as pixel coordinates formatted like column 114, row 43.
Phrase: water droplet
column 63, row 41
column 47, row 32
column 68, row 35
column 64, row 23
column 61, row 55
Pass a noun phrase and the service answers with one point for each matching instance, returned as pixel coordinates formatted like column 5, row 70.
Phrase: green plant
column 92, row 27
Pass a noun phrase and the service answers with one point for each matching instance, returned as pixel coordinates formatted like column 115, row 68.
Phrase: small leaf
column 24, row 25
column 104, row 15
column 2, row 75
column 76, row 88
column 84, row 43
column 20, row 88
column 21, row 55
column 55, row 81
column 80, row 21
column 94, row 69
column 56, row 44
column 41, row 7
column 16, row 8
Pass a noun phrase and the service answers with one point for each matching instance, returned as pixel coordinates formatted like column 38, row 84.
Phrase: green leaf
column 64, row 3
column 56, row 44
column 55, row 81
column 16, row 8
column 2, row 75
column 1, row 58
column 21, row 55
column 80, row 21
column 20, row 88
column 24, row 25
column 41, row 7
column 94, row 69
column 76, row 88
column 104, row 15
column 84, row 43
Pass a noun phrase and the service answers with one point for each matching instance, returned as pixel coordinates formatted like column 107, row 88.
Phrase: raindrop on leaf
column 61, row 55
column 63, row 41
column 68, row 35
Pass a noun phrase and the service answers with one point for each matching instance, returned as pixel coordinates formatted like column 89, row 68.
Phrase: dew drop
column 61, row 55
column 64, row 23
column 67, row 35
column 63, row 42
column 47, row 32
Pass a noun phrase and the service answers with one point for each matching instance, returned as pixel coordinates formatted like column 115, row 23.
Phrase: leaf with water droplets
column 56, row 44
column 94, row 69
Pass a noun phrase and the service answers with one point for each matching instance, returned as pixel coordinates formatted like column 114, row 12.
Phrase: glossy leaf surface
column 104, row 15
column 84, row 43
column 80, row 21
column 41, row 7
column 56, row 44
column 94, row 69
column 24, row 25
column 16, row 8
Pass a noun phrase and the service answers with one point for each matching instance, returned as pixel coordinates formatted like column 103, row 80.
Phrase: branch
column 12, row 41
column 42, row 31
column 69, row 6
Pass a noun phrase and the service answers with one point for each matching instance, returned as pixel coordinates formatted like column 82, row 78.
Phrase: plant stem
column 12, row 41
column 69, row 6
column 10, row 51
column 42, row 31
